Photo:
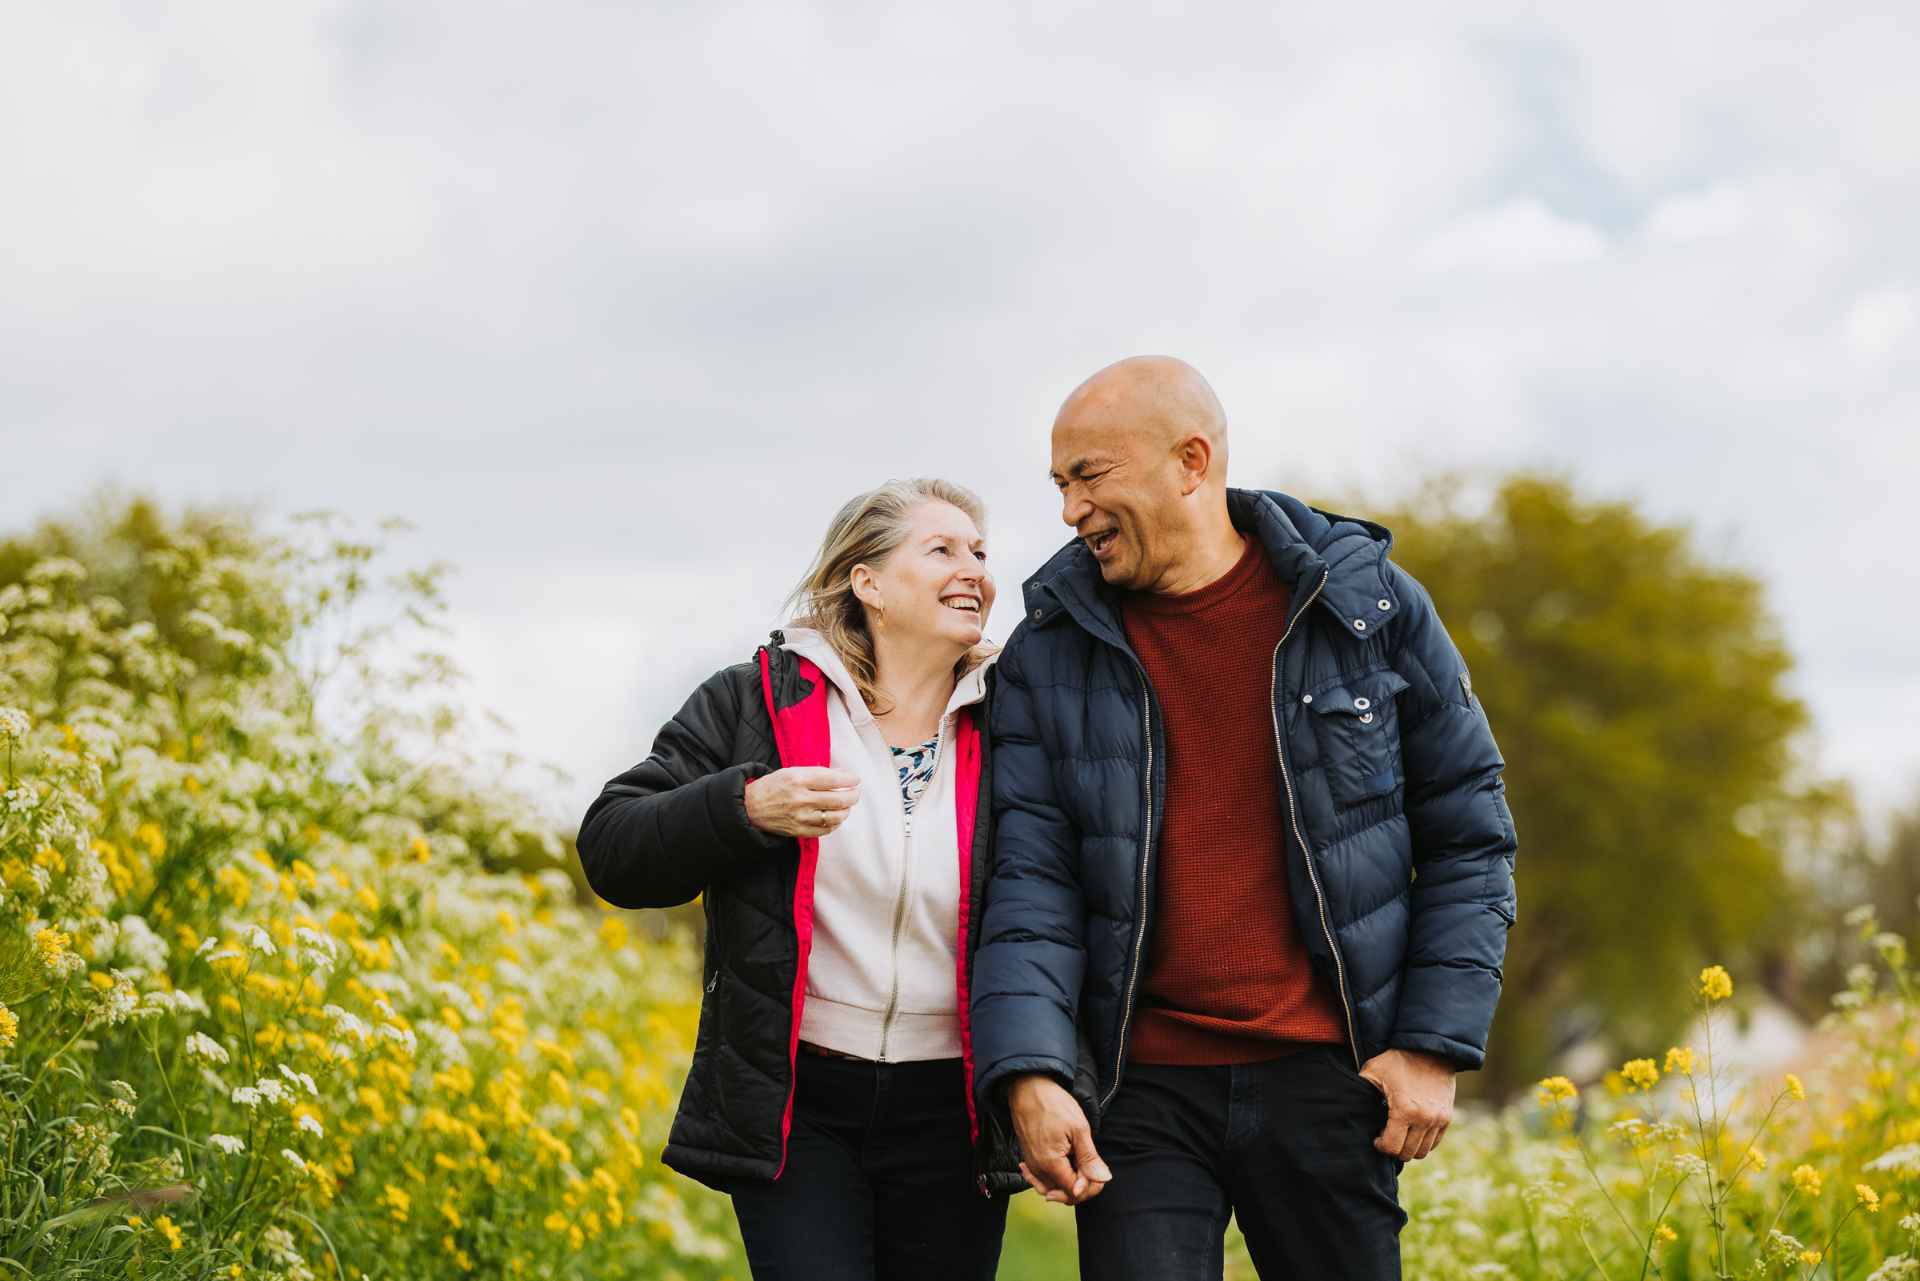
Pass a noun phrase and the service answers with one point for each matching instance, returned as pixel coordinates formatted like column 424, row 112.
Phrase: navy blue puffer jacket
column 1400, row 844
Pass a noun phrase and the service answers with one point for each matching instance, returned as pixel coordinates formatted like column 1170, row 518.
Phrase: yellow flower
column 1680, row 1059
column 1869, row 1199
column 420, row 850
column 1640, row 1073
column 613, row 933
column 556, row 1222
column 1795, row 1090
column 1806, row 1179
column 1663, row 1233
column 164, row 1226
column 9, row 1028
column 51, row 944
column 398, row 1203
column 1758, row 1158
column 1555, row 1090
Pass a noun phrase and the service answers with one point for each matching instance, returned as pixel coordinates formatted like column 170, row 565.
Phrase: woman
column 829, row 799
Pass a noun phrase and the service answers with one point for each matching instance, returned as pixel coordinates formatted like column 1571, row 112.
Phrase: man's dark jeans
column 1286, row 1146
column 879, row 1184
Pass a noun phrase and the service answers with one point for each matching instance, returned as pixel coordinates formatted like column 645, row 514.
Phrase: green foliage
column 267, row 1006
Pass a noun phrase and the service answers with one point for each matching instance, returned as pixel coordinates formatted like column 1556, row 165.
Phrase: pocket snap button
column 1306, row 698
column 1367, row 719
column 1384, row 603
column 1362, row 703
column 1359, row 624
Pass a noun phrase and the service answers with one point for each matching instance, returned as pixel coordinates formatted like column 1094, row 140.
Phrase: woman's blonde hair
column 866, row 531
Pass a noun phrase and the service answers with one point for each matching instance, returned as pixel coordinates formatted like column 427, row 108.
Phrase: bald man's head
column 1157, row 399
column 1140, row 459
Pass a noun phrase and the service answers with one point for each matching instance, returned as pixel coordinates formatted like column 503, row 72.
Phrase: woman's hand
column 806, row 800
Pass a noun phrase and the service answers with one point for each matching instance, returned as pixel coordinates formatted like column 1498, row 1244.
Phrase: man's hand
column 1419, row 1090
column 1056, row 1142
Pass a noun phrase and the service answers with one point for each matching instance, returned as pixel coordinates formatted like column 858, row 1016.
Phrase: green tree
column 1639, row 695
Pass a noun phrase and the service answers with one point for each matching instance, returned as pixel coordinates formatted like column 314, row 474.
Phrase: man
column 1253, row 860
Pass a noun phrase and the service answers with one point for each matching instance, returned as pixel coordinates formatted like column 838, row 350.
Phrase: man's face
column 1120, row 494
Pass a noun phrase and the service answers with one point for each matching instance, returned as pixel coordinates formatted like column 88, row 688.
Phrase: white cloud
column 1698, row 215
column 1518, row 235
column 1880, row 322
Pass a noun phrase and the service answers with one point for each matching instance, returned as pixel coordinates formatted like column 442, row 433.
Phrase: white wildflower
column 246, row 1096
column 257, row 940
column 347, row 1023
column 402, row 1035
column 207, row 944
column 1904, row 1159
column 326, row 950
column 294, row 1159
column 140, row 946
column 311, row 1124
column 14, row 725
column 227, row 1143
column 300, row 1079
column 203, row 1048
column 271, row 1090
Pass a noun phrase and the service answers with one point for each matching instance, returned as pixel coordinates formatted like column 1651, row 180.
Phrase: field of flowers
column 280, row 1000
column 272, row 1002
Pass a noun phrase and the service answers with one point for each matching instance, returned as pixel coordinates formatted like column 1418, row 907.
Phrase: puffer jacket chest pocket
column 1357, row 725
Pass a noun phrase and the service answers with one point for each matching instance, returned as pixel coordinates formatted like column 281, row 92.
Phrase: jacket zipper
column 1146, row 853
column 1293, row 817
column 900, row 903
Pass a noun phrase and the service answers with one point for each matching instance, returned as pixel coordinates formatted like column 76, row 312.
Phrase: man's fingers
column 1086, row 1158
column 1055, row 1171
column 1393, row 1138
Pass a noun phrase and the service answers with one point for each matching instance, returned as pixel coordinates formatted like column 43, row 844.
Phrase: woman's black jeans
column 879, row 1182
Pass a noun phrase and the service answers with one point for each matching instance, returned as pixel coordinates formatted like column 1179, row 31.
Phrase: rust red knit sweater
column 1227, row 978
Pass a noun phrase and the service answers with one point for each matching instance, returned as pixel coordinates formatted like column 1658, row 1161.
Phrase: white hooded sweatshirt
column 886, row 894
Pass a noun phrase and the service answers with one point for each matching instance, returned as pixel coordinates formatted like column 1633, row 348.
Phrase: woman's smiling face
column 933, row 587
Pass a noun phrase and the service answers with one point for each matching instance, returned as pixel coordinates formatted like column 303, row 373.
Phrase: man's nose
column 1074, row 509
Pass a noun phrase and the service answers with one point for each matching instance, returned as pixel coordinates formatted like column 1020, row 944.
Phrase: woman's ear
column 866, row 588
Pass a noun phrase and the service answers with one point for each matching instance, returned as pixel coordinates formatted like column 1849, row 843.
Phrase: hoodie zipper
column 1293, row 817
column 900, row 903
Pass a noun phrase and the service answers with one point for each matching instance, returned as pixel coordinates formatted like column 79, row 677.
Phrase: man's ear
column 1195, row 456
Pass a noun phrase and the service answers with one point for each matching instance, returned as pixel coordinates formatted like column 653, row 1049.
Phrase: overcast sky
column 617, row 303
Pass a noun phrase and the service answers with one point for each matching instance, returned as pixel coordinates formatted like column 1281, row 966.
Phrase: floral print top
column 916, row 769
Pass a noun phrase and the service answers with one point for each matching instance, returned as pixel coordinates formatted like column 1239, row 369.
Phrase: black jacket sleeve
column 663, row 831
